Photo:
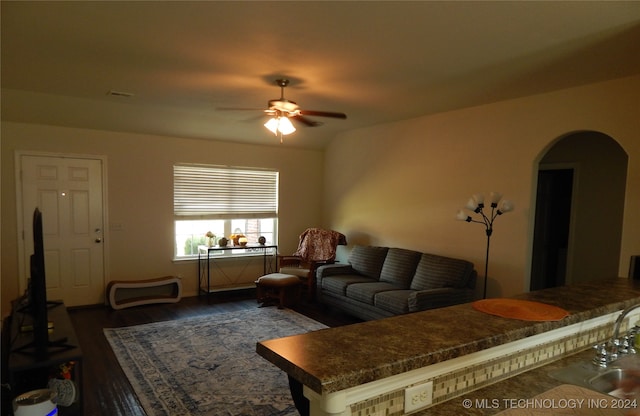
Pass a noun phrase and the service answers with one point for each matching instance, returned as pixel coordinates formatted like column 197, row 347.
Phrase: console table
column 27, row 371
column 207, row 257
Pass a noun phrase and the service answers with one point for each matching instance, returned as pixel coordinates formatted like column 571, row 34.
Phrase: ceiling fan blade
column 239, row 109
column 322, row 114
column 252, row 118
column 307, row 122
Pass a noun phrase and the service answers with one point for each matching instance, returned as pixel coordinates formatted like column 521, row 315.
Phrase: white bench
column 125, row 294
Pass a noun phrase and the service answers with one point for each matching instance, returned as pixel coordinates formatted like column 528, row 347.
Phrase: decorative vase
column 223, row 242
column 236, row 239
column 210, row 241
column 262, row 240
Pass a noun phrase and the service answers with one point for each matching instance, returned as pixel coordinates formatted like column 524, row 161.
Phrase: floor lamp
column 476, row 206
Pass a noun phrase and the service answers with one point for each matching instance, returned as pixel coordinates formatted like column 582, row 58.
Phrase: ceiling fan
column 282, row 110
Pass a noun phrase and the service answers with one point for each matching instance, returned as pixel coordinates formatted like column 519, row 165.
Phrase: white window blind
column 224, row 192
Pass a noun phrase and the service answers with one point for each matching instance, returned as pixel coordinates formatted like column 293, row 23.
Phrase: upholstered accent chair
column 316, row 246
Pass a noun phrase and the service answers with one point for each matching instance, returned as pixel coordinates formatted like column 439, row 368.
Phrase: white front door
column 68, row 191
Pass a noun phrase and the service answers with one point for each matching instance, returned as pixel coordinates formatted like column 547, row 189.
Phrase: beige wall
column 396, row 184
column 401, row 184
column 139, row 185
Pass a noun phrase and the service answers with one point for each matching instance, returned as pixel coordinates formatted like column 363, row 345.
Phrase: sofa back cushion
column 368, row 260
column 399, row 267
column 435, row 271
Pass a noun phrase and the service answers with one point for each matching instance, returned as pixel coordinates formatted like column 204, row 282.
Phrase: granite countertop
column 334, row 359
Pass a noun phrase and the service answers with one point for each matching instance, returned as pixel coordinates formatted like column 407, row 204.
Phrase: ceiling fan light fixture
column 286, row 127
column 272, row 125
column 281, row 110
column 280, row 125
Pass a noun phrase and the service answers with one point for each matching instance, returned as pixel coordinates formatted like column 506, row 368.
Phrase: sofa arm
column 333, row 269
column 422, row 300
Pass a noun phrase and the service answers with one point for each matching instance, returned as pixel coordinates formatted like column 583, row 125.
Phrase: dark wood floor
column 106, row 388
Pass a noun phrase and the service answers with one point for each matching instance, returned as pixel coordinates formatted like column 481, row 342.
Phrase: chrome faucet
column 608, row 352
column 623, row 314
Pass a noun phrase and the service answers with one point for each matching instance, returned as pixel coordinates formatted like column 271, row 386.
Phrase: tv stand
column 30, row 367
column 52, row 347
column 30, row 348
column 25, row 307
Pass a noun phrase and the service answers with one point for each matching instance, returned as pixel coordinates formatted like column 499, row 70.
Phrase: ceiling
column 378, row 62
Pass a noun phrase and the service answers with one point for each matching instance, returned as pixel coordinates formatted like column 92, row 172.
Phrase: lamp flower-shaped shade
column 495, row 197
column 472, row 205
column 506, row 206
column 462, row 216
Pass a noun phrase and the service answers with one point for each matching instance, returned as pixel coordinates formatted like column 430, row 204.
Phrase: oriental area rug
column 208, row 365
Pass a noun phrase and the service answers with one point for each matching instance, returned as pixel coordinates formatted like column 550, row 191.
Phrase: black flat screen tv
column 37, row 305
column 38, row 291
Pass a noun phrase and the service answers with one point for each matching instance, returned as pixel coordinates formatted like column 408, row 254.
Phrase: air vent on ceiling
column 124, row 94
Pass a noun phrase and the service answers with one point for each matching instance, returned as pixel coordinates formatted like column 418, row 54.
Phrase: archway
column 579, row 210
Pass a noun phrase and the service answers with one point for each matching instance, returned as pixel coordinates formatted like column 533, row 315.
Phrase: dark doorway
column 551, row 230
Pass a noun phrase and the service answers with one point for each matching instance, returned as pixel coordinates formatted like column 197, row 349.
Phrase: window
column 225, row 201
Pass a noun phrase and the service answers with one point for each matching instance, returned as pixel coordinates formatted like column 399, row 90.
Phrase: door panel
column 68, row 191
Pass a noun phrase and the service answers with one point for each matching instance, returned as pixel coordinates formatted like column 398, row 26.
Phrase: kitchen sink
column 609, row 382
column 579, row 373
column 604, row 380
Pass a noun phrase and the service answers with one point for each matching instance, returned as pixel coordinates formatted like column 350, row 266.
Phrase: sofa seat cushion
column 435, row 271
column 365, row 292
column 394, row 301
column 421, row 300
column 399, row 267
column 368, row 260
column 338, row 284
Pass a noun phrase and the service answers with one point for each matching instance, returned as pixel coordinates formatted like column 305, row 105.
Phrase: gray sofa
column 379, row 282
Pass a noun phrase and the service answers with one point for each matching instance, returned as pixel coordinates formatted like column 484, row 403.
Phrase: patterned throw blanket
column 317, row 244
column 208, row 365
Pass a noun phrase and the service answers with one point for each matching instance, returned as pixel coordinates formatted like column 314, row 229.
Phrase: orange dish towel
column 520, row 309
